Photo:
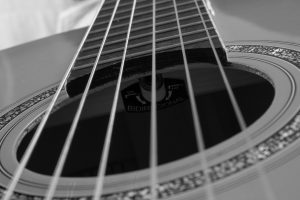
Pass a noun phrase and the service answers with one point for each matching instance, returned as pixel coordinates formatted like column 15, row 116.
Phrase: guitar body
column 31, row 63
column 239, row 169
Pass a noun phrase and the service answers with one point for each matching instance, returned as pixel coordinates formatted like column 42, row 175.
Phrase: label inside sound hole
column 135, row 102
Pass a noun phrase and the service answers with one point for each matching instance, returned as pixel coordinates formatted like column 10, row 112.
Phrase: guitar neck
column 140, row 42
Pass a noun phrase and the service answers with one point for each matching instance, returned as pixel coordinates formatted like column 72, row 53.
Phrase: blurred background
column 22, row 21
column 258, row 19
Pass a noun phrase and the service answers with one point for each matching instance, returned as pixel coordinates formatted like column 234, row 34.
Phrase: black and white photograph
column 149, row 99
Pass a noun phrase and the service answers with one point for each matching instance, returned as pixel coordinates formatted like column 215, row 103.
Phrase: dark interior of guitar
column 130, row 143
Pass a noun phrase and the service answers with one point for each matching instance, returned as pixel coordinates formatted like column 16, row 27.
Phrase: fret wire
column 144, row 45
column 144, row 20
column 153, row 131
column 161, row 9
column 105, row 152
column 139, row 29
column 145, row 1
column 109, row 54
column 27, row 154
column 147, row 33
column 122, row 5
column 143, row 6
column 141, row 44
column 193, row 19
column 162, row 31
column 195, row 115
column 165, row 48
column 266, row 184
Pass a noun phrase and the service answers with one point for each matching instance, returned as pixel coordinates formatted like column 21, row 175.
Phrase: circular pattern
column 278, row 141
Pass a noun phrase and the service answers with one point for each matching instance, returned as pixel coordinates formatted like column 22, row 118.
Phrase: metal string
column 196, row 120
column 209, row 12
column 68, row 142
column 153, row 112
column 105, row 152
column 265, row 182
column 41, row 126
column 233, row 100
column 153, row 131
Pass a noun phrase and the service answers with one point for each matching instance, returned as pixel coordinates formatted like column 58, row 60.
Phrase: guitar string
column 105, row 152
column 266, row 184
column 71, row 65
column 27, row 154
column 232, row 98
column 209, row 11
column 70, row 136
column 153, row 131
column 195, row 115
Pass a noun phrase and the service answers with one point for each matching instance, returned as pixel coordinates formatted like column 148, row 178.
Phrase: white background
column 25, row 20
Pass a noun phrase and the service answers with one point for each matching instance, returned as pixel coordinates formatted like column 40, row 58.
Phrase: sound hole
column 130, row 143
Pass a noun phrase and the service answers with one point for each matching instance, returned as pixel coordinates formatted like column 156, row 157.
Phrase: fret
column 172, row 47
column 161, row 35
column 186, row 20
column 108, row 9
column 147, row 32
column 162, row 32
column 189, row 12
column 174, row 39
column 213, row 32
column 140, row 10
column 160, row 26
column 142, row 7
column 162, row 41
column 99, row 33
column 96, row 34
column 194, row 35
column 141, row 34
column 188, row 44
column 142, row 45
column 109, row 6
column 196, row 25
column 165, row 12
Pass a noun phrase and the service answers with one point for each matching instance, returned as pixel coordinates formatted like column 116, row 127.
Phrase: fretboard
column 140, row 42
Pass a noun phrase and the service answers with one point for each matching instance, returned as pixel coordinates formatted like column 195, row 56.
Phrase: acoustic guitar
column 149, row 102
